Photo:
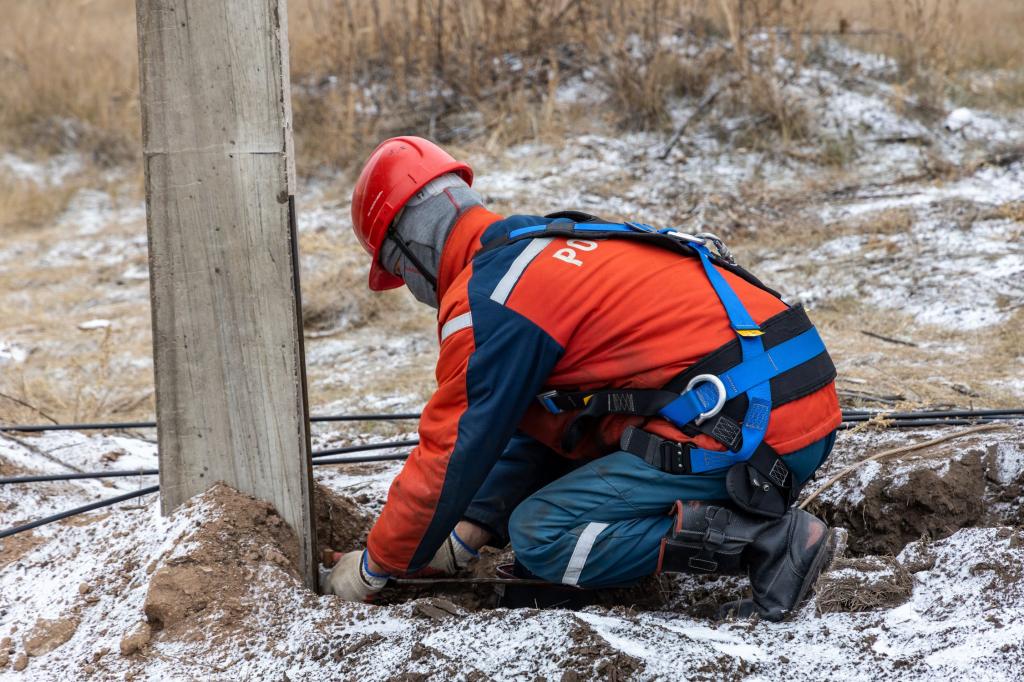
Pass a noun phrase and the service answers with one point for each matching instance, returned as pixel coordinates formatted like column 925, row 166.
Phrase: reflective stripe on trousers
column 602, row 524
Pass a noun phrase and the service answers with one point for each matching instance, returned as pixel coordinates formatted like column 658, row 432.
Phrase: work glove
column 451, row 556
column 351, row 579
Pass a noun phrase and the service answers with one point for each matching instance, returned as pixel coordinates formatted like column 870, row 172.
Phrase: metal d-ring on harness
column 795, row 361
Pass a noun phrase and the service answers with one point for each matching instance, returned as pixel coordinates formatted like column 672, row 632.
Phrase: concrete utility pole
column 227, row 328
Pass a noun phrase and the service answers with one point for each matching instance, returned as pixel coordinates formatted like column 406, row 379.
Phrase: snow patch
column 90, row 325
column 11, row 353
column 48, row 173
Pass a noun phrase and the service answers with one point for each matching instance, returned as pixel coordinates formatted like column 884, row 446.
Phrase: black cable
column 318, row 459
column 143, row 491
column 848, row 415
column 902, row 420
column 124, row 426
column 78, row 510
column 398, row 416
column 323, row 457
column 114, row 473
column 369, row 446
column 397, row 457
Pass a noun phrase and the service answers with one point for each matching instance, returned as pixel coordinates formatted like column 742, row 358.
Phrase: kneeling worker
column 614, row 400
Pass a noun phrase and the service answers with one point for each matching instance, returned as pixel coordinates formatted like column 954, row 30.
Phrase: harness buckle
column 675, row 457
column 723, row 251
column 547, row 400
column 717, row 383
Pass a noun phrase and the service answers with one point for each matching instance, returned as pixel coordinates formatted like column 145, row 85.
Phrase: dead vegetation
column 863, row 584
column 334, row 292
column 477, row 75
column 489, row 71
column 26, row 205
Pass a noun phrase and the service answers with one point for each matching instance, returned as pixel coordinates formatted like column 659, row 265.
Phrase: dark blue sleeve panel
column 524, row 467
column 510, row 363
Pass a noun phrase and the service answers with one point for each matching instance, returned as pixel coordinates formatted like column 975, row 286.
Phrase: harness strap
column 764, row 482
column 565, row 225
column 666, row 455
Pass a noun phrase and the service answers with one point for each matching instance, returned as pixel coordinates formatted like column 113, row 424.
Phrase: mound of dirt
column 47, row 635
column 222, row 557
column 340, row 524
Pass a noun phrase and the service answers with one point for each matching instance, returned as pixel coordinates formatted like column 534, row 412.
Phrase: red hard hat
column 395, row 171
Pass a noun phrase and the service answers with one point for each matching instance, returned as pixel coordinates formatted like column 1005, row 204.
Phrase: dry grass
column 335, row 296
column 945, row 34
column 105, row 386
column 972, row 50
column 882, row 583
column 69, row 73
column 478, row 69
column 474, row 72
column 24, row 204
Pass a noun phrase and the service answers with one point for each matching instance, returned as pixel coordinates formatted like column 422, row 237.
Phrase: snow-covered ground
column 916, row 235
column 949, row 609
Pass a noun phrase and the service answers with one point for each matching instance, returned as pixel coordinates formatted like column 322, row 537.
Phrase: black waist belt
column 762, row 485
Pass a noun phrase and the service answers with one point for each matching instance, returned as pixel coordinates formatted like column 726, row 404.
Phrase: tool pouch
column 762, row 485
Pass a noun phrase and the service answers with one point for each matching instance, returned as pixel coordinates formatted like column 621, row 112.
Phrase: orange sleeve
column 414, row 494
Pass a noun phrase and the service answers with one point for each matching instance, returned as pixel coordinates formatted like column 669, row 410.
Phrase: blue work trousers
column 602, row 523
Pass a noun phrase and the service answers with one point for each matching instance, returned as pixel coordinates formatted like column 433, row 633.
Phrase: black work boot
column 784, row 556
column 785, row 560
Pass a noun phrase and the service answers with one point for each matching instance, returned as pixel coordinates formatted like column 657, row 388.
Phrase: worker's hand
column 451, row 556
column 351, row 580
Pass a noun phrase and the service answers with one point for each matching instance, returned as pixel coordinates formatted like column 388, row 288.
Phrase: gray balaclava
column 423, row 226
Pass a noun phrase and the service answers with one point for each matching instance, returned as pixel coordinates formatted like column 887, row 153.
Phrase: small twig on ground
column 919, row 140
column 899, row 451
column 870, row 397
column 29, row 406
column 702, row 106
column 888, row 339
column 42, row 453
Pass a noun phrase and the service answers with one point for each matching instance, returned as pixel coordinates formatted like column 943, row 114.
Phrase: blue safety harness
column 797, row 362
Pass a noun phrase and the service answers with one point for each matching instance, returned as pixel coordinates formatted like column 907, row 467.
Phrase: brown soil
column 340, row 524
column 16, row 546
column 927, row 504
column 137, row 640
column 591, row 657
column 226, row 553
column 1007, row 497
column 47, row 635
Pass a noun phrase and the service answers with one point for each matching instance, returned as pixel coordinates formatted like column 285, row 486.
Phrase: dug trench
column 930, row 496
column 235, row 571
